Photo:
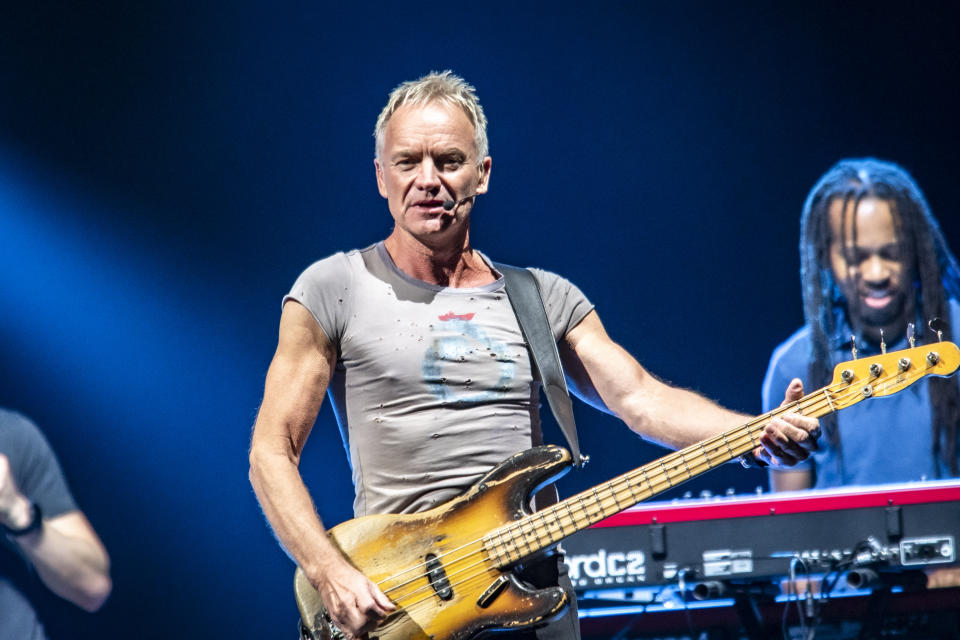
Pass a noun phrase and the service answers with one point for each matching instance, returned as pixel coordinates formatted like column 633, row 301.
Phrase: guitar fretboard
column 524, row 537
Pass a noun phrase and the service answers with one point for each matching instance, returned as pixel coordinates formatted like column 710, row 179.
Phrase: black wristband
column 750, row 461
column 36, row 521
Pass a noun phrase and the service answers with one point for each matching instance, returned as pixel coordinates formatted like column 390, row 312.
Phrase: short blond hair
column 442, row 86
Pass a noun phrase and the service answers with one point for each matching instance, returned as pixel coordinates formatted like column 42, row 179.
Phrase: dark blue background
column 167, row 171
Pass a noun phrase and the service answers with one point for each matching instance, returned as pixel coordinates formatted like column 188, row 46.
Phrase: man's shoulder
column 338, row 260
column 542, row 275
column 14, row 424
column 20, row 437
column 9, row 415
column 553, row 284
column 545, row 275
column 334, row 267
column 548, row 280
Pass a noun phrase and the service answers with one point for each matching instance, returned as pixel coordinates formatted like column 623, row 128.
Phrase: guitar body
column 432, row 564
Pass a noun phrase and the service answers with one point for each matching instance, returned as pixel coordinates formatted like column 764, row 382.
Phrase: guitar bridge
column 438, row 578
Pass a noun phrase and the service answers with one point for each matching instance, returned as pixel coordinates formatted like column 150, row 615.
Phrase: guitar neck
column 853, row 381
column 540, row 530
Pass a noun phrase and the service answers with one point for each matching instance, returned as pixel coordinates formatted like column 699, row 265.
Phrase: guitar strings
column 626, row 478
column 733, row 438
column 552, row 510
column 816, row 405
column 803, row 403
column 812, row 401
column 817, row 401
column 452, row 561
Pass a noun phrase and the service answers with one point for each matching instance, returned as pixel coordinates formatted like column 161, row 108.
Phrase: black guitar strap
column 524, row 295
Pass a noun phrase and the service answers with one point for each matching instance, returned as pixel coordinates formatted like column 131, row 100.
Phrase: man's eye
column 451, row 164
column 891, row 253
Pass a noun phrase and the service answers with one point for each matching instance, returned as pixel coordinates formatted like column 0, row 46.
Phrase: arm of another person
column 296, row 382
column 603, row 374
column 66, row 552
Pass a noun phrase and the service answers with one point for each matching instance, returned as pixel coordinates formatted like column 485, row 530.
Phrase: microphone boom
column 449, row 205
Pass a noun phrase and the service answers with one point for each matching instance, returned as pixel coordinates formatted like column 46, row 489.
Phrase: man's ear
column 484, row 181
column 381, row 186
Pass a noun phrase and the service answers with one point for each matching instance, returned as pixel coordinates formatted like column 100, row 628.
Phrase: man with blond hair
column 418, row 347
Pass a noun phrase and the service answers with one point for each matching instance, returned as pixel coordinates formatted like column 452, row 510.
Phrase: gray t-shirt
column 38, row 476
column 433, row 385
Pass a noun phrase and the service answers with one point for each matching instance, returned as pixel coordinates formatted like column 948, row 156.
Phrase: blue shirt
column 885, row 439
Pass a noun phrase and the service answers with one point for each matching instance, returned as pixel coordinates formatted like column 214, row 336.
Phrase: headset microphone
column 448, row 205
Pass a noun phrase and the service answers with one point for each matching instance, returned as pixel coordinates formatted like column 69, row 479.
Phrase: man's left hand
column 790, row 438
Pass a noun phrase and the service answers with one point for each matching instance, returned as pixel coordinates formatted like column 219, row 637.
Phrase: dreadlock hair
column 925, row 255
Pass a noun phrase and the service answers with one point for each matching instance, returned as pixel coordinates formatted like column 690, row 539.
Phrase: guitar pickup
column 438, row 578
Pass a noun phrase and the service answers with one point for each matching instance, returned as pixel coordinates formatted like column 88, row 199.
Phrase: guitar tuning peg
column 935, row 326
column 853, row 347
column 911, row 335
column 883, row 343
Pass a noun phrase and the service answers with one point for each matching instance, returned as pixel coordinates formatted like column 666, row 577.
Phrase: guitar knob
column 876, row 369
column 846, row 375
column 933, row 358
column 904, row 364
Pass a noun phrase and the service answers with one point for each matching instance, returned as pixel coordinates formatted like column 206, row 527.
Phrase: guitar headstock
column 887, row 373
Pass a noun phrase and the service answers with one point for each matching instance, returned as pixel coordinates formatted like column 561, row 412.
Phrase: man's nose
column 427, row 176
column 875, row 269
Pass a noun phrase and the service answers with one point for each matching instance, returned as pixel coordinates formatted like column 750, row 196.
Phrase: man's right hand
column 14, row 507
column 355, row 604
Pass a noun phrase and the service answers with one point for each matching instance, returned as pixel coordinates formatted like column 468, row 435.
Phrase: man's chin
column 436, row 232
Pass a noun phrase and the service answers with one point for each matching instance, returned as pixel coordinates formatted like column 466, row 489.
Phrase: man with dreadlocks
column 873, row 261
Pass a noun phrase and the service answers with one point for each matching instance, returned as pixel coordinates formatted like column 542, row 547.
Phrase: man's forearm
column 70, row 561
column 287, row 505
column 677, row 417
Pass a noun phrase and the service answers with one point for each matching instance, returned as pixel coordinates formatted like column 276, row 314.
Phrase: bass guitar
column 449, row 570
